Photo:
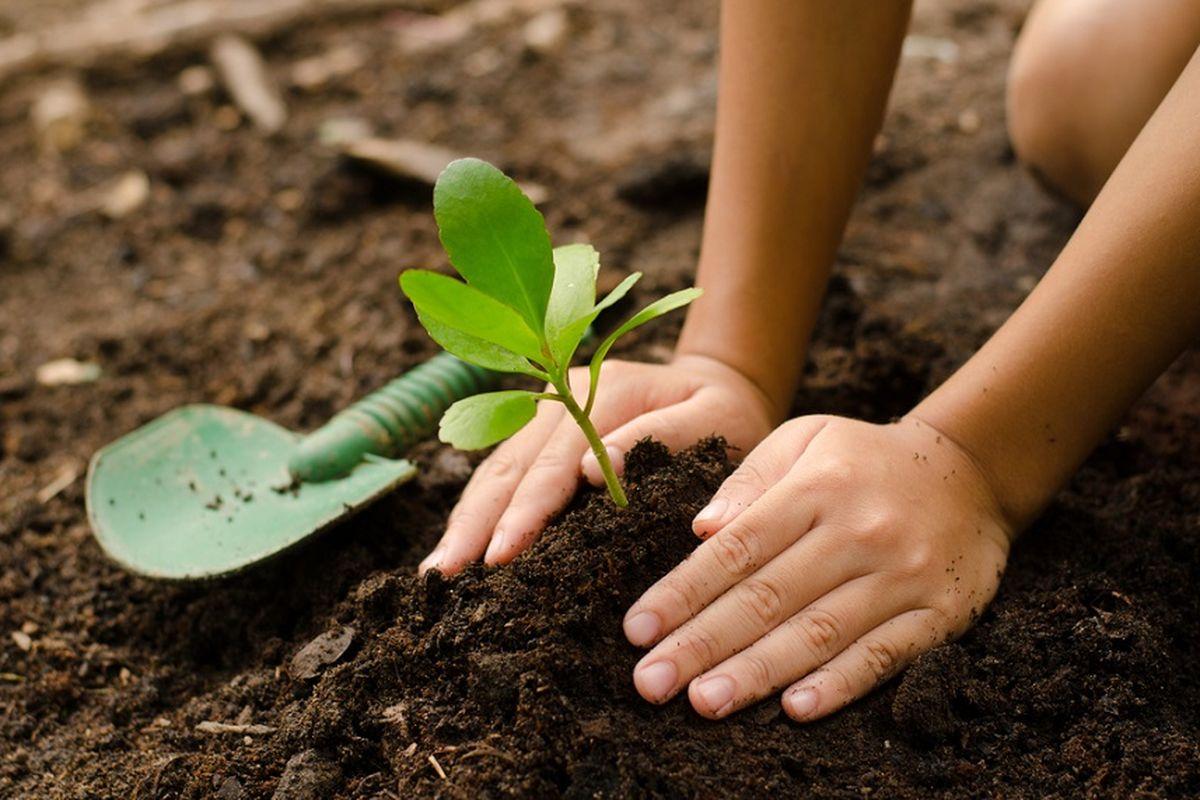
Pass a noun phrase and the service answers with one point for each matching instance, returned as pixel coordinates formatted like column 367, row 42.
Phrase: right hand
column 533, row 475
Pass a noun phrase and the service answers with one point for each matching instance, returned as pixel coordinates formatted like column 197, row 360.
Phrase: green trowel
column 206, row 490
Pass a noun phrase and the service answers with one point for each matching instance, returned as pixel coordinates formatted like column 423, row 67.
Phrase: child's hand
column 834, row 555
column 533, row 475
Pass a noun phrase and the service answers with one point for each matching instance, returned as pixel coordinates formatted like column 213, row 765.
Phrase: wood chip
column 464, row 20
column 67, row 372
column 147, row 29
column 416, row 161
column 66, row 476
column 314, row 73
column 437, row 767
column 22, row 641
column 208, row 726
column 245, row 77
column 322, row 651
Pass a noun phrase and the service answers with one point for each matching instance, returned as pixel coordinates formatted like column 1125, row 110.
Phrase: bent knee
column 1085, row 77
column 1050, row 125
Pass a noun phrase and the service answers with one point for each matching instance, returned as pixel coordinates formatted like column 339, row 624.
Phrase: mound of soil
column 516, row 681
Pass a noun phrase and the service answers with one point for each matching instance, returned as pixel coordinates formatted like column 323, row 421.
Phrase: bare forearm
column 803, row 88
column 1121, row 301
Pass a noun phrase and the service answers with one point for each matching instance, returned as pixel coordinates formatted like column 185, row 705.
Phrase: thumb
column 762, row 468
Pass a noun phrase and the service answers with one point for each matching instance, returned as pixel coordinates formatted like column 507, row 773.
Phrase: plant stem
column 589, row 431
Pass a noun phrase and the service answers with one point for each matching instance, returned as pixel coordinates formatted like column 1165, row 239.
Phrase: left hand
column 834, row 555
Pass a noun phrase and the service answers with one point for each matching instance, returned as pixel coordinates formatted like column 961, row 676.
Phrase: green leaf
column 495, row 237
column 574, row 292
column 454, row 304
column 564, row 346
column 484, row 419
column 656, row 309
column 477, row 351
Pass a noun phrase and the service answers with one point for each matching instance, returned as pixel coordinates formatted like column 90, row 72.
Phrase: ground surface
column 261, row 274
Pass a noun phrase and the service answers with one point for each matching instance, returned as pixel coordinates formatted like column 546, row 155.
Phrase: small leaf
column 656, row 309
column 568, row 340
column 575, row 269
column 478, row 352
column 454, row 304
column 574, row 291
column 495, row 237
column 484, row 419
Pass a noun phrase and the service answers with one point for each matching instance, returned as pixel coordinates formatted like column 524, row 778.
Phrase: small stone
column 196, row 80
column 314, row 73
column 67, row 372
column 969, row 121
column 339, row 131
column 125, row 195
column 322, row 651
column 309, row 775
column 227, row 118
column 546, row 32
column 289, row 199
column 22, row 640
column 59, row 115
column 230, row 789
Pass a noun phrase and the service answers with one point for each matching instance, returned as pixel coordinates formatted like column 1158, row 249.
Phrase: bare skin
column 840, row 550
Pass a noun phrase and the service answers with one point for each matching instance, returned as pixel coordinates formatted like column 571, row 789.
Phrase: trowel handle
column 390, row 420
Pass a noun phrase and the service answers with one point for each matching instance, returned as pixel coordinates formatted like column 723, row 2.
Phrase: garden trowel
column 206, row 490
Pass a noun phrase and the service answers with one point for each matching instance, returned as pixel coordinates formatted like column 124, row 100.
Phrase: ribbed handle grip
column 390, row 420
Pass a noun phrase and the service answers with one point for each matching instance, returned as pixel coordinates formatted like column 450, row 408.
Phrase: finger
column 546, row 486
column 676, row 426
column 762, row 469
column 488, row 493
column 779, row 518
column 867, row 663
column 808, row 570
column 802, row 643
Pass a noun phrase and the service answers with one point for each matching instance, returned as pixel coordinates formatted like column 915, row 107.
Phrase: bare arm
column 803, row 90
column 1119, row 304
column 840, row 551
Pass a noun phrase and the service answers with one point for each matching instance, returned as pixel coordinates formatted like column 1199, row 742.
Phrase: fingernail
column 712, row 512
column 642, row 629
column 430, row 561
column 496, row 547
column 657, row 680
column 616, row 457
column 716, row 693
column 802, row 703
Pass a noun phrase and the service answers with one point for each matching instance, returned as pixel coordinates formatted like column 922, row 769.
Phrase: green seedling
column 524, row 308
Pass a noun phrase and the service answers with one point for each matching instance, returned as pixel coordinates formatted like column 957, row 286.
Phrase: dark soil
column 262, row 275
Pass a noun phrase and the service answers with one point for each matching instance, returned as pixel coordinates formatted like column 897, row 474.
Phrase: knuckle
column 832, row 473
column 762, row 600
column 701, row 646
column 748, row 476
column 500, row 465
column 878, row 530
column 819, row 630
column 672, row 596
column 918, row 557
column 881, row 657
column 759, row 671
column 549, row 465
column 736, row 549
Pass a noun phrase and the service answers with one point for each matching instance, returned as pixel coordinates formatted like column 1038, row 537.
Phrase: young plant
column 524, row 307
